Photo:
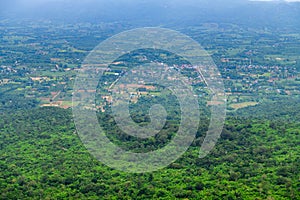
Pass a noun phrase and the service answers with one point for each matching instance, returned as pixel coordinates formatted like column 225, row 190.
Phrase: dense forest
column 43, row 158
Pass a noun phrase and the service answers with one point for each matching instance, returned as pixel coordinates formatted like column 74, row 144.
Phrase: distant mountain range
column 275, row 14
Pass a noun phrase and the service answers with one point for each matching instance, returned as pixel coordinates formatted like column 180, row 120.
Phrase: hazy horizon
column 281, row 14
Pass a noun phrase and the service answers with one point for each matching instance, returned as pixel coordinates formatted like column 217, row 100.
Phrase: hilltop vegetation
column 43, row 158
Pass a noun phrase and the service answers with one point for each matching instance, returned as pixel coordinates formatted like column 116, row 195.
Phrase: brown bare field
column 243, row 105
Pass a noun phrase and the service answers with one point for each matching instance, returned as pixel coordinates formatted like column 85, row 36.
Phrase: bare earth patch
column 243, row 105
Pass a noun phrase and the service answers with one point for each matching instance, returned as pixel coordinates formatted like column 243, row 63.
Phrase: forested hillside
column 43, row 158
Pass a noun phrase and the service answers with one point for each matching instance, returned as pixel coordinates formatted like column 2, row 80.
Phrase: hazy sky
column 34, row 3
column 278, row 0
